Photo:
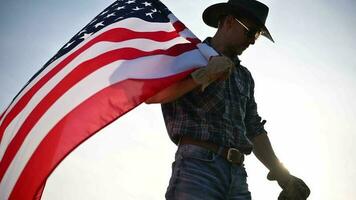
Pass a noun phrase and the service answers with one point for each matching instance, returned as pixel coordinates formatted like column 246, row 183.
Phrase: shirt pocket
column 243, row 93
column 212, row 100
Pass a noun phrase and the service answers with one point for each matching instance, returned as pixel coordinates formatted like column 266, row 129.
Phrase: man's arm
column 218, row 67
column 263, row 150
column 293, row 187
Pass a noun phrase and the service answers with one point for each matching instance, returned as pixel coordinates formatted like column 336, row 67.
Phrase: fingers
column 296, row 189
column 282, row 195
column 302, row 187
column 219, row 64
column 219, row 67
column 224, row 76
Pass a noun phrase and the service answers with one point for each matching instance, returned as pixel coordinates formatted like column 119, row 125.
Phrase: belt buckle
column 234, row 155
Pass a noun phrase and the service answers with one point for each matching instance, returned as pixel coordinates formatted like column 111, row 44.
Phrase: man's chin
column 239, row 52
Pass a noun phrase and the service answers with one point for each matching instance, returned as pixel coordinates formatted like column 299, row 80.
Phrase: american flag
column 128, row 53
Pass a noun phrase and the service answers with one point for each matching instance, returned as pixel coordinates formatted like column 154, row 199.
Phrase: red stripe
column 2, row 115
column 193, row 40
column 80, row 124
column 114, row 35
column 179, row 26
column 83, row 70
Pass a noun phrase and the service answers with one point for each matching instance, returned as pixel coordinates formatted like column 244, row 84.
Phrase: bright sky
column 305, row 89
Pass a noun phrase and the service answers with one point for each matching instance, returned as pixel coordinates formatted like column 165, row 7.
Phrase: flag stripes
column 25, row 183
column 114, row 35
column 106, row 75
column 80, row 72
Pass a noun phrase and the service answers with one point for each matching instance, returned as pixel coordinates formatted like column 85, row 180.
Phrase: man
column 212, row 115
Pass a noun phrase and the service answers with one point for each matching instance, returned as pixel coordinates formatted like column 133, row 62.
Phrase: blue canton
column 148, row 10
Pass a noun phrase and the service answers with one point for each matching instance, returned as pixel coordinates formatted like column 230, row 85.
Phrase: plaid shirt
column 225, row 113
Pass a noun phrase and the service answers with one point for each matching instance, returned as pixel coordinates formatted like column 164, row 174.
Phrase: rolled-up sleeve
column 253, row 122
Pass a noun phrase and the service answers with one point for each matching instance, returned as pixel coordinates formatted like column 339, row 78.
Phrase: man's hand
column 293, row 187
column 219, row 67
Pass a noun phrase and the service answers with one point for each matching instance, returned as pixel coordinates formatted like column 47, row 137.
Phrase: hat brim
column 212, row 14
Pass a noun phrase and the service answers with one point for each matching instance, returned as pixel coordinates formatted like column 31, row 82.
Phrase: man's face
column 239, row 34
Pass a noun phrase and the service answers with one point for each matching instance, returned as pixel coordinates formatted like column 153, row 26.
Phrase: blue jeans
column 200, row 174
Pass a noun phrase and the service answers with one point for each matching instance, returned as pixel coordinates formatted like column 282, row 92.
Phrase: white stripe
column 172, row 18
column 141, row 68
column 186, row 33
column 206, row 51
column 94, row 51
column 134, row 24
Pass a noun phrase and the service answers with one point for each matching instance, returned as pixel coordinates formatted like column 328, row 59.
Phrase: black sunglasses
column 250, row 33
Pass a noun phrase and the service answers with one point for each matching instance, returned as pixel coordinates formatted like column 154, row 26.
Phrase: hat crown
column 250, row 9
column 255, row 8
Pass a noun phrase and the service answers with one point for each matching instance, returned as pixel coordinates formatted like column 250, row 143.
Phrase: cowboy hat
column 251, row 9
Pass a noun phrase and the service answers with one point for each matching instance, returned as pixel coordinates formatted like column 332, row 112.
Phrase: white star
column 137, row 8
column 131, row 1
column 94, row 20
column 147, row 4
column 115, row 4
column 99, row 24
column 68, row 44
column 121, row 7
column 119, row 18
column 82, row 31
column 149, row 14
column 104, row 12
column 109, row 15
column 85, row 36
column 154, row 10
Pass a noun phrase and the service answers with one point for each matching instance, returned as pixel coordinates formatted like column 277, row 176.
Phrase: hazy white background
column 305, row 88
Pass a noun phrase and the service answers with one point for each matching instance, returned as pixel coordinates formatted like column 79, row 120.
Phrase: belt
column 232, row 155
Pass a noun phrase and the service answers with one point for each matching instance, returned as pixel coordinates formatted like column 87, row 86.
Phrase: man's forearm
column 264, row 152
column 219, row 67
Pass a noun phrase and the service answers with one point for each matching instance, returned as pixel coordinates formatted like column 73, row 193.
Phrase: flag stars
column 85, row 36
column 131, row 1
column 147, row 4
column 68, row 44
column 110, row 15
column 119, row 18
column 94, row 20
column 137, row 8
column 99, row 24
column 150, row 14
column 154, row 10
column 117, row 3
column 82, row 31
column 120, row 8
column 103, row 13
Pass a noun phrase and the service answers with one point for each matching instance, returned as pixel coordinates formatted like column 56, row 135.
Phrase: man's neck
column 219, row 45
